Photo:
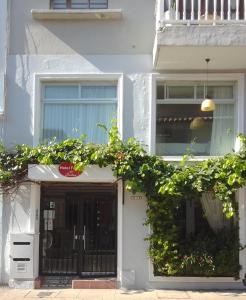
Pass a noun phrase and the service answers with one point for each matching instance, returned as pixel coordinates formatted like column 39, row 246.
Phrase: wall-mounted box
column 23, row 249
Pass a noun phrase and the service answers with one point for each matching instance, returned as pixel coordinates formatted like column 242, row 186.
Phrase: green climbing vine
column 167, row 187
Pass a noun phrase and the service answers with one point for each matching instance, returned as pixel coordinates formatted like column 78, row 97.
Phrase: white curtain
column 213, row 210
column 61, row 121
column 73, row 110
column 222, row 139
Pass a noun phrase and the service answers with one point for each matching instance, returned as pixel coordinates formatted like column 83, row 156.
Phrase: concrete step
column 63, row 282
column 101, row 283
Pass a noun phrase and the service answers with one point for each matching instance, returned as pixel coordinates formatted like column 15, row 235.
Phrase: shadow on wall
column 133, row 34
column 19, row 107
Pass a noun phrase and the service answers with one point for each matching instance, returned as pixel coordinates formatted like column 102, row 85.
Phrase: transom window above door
column 72, row 110
column 79, row 4
column 181, row 126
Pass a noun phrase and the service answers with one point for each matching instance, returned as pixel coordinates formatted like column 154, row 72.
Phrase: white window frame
column 181, row 78
column 63, row 79
column 239, row 94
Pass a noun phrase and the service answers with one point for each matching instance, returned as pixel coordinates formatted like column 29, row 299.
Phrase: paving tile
column 45, row 294
column 211, row 295
column 67, row 293
column 14, row 294
column 172, row 295
column 91, row 297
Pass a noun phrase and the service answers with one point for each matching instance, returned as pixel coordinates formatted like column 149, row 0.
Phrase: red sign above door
column 67, row 170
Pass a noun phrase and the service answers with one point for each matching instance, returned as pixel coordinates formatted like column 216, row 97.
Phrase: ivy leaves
column 166, row 185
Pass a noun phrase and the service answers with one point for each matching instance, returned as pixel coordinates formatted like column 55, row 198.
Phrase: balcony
column 187, row 31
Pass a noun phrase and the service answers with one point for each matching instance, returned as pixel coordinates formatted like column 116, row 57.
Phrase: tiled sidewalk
column 10, row 294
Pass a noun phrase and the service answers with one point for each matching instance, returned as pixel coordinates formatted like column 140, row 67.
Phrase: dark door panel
column 78, row 232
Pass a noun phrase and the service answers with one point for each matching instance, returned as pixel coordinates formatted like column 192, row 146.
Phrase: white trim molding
column 41, row 79
column 238, row 78
column 93, row 174
column 77, row 14
column 51, row 173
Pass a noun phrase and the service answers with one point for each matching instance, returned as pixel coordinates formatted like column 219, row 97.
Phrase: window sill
column 194, row 158
column 85, row 14
column 186, row 279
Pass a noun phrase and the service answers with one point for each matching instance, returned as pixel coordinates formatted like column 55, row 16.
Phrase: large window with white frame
column 70, row 110
column 181, row 126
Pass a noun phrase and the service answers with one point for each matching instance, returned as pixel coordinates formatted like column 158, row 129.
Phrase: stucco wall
column 15, row 219
column 21, row 90
column 135, row 260
column 133, row 34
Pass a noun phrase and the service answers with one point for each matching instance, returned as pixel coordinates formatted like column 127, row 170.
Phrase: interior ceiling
column 193, row 58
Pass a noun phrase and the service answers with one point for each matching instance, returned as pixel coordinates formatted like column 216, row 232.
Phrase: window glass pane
column 98, row 4
column 216, row 92
column 98, row 92
column 61, row 121
column 61, row 92
column 160, row 92
column 180, row 92
column 59, row 4
column 184, row 128
column 79, row 4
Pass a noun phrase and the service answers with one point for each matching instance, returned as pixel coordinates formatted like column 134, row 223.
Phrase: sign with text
column 67, row 170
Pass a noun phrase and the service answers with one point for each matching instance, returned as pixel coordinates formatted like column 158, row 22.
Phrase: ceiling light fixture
column 207, row 104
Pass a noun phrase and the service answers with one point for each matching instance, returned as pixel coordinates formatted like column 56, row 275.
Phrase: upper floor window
column 79, row 4
column 70, row 110
column 181, row 126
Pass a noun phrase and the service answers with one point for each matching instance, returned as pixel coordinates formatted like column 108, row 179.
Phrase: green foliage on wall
column 166, row 186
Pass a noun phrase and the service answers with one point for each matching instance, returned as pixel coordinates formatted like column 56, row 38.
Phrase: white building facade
column 69, row 65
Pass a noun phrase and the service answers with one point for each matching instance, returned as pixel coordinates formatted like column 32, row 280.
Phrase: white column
column 199, row 10
column 120, row 231
column 192, row 10
column 229, row 10
column 34, row 208
column 244, row 9
column 222, row 9
column 184, row 9
column 237, row 9
column 206, row 9
column 34, row 224
column 215, row 10
column 242, row 229
column 1, row 235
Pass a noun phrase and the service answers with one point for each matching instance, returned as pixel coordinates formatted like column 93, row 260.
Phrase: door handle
column 84, row 236
column 74, row 236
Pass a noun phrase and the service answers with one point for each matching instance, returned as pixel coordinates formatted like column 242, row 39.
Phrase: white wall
column 133, row 34
column 15, row 219
column 21, row 89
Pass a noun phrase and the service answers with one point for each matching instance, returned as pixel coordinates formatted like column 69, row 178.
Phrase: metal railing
column 200, row 11
column 79, row 4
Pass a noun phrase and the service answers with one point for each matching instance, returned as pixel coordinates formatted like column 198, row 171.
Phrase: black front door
column 78, row 232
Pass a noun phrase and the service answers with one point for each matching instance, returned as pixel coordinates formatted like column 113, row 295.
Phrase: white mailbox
column 23, row 247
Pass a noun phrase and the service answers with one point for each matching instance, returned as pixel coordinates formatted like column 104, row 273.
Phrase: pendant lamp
column 207, row 104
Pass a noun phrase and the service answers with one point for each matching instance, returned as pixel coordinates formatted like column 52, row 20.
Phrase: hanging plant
column 167, row 188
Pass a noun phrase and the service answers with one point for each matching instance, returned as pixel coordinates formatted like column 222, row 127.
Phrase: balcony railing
column 79, row 4
column 200, row 12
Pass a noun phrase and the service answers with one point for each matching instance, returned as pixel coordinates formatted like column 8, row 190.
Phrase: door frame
column 79, row 196
column 41, row 173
